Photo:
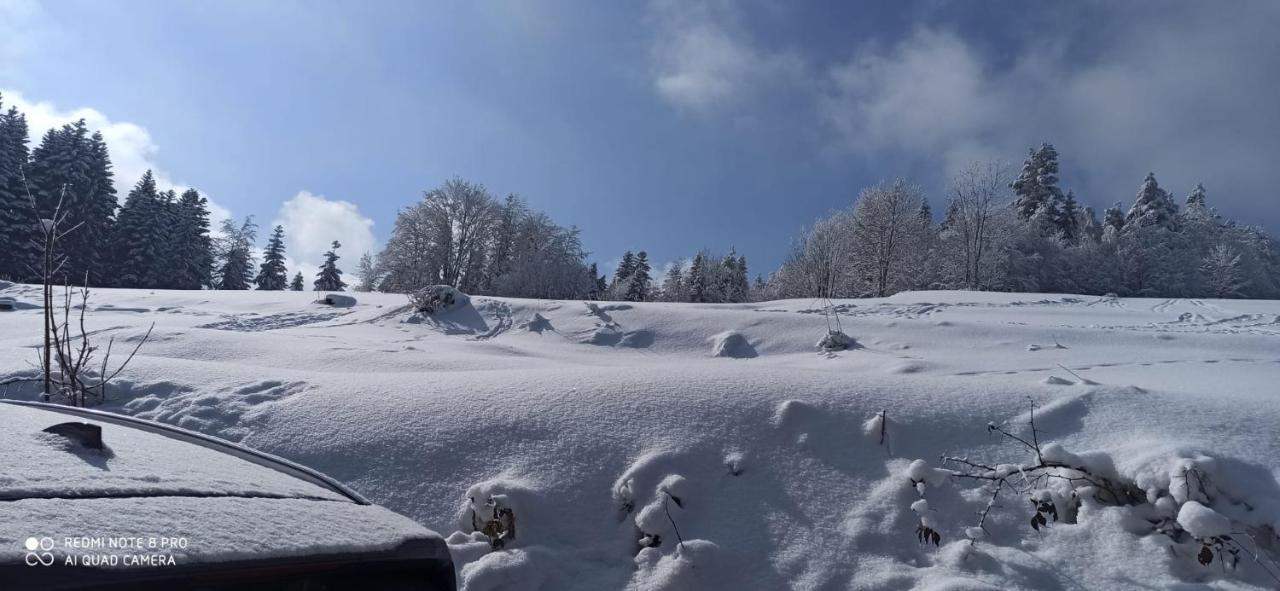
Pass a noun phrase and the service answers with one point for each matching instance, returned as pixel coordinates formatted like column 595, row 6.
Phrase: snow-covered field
column 586, row 419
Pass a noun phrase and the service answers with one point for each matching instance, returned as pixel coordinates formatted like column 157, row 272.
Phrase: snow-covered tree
column 1037, row 184
column 673, row 286
column 234, row 254
column 367, row 272
column 192, row 247
column 883, row 220
column 72, row 167
column 1152, row 207
column 1222, row 272
column 637, row 287
column 330, row 276
column 138, row 244
column 296, row 284
column 972, row 243
column 272, row 275
column 18, row 219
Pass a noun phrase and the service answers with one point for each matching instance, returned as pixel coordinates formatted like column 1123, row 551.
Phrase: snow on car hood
column 134, row 463
column 199, row 530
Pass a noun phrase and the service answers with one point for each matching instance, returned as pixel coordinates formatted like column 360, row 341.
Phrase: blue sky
column 667, row 126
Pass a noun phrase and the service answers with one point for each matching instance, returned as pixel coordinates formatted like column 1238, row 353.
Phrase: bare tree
column 461, row 213
column 883, row 219
column 977, row 192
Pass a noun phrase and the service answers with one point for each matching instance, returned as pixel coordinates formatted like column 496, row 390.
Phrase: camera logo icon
column 39, row 551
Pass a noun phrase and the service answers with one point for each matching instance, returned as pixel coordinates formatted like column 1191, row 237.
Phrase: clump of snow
column 1057, row 381
column 837, row 341
column 732, row 344
column 438, row 298
column 1203, row 522
column 337, row 300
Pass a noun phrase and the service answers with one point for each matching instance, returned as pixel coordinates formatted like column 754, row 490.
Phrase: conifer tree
column 673, row 284
column 18, row 220
column 638, row 283
column 1038, row 182
column 696, row 279
column 192, row 246
column 1152, row 207
column 622, row 275
column 330, row 276
column 296, row 284
column 72, row 168
column 235, row 254
column 136, row 244
column 272, row 276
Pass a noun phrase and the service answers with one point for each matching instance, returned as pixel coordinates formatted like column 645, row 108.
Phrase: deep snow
column 588, row 419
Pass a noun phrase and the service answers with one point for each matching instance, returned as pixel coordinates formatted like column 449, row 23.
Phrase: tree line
column 999, row 231
column 156, row 239
column 1024, row 233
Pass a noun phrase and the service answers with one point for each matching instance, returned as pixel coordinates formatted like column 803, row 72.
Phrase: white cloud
column 312, row 222
column 1170, row 96
column 132, row 150
column 702, row 63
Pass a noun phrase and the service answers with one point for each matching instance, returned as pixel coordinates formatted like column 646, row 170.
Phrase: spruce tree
column 625, row 269
column 1037, row 184
column 18, row 221
column 272, row 276
column 696, row 279
column 296, row 284
column 136, row 244
column 1153, row 206
column 673, row 283
column 638, row 283
column 71, row 169
column 1068, row 222
column 330, row 276
column 193, row 248
column 235, row 254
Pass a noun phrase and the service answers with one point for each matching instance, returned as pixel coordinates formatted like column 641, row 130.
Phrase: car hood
column 134, row 463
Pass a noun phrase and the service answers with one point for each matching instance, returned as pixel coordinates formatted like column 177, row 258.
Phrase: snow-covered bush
column 837, row 341
column 1192, row 502
column 438, row 298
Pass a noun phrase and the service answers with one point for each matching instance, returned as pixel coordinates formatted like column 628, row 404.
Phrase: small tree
column 272, row 275
column 296, row 284
column 330, row 276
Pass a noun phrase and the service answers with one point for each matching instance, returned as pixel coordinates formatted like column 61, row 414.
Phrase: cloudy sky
column 668, row 125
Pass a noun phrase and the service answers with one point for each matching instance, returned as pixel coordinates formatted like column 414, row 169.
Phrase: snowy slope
column 586, row 418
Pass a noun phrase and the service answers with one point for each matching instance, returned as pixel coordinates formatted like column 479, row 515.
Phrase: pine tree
column 330, row 276
column 18, row 221
column 193, row 248
column 272, row 276
column 72, row 168
column 136, row 245
column 673, row 284
column 600, row 284
column 622, row 275
column 1038, row 182
column 235, row 254
column 637, row 287
column 696, row 279
column 296, row 284
column 1152, row 207
column 1068, row 223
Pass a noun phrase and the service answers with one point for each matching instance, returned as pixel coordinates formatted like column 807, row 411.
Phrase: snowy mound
column 594, row 445
column 337, row 300
column 732, row 344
